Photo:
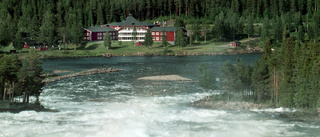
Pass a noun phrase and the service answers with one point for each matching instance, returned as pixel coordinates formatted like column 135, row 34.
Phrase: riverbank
column 14, row 107
column 97, row 49
column 305, row 115
column 83, row 73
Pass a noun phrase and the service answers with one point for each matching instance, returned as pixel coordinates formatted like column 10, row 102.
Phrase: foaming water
column 117, row 105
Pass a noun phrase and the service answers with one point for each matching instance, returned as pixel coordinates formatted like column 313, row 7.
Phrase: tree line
column 288, row 75
column 21, row 78
column 50, row 21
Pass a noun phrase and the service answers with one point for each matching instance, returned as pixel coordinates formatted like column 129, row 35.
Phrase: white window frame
column 157, row 33
column 153, row 33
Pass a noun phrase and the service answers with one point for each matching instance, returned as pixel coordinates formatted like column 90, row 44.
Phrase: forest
column 50, row 21
column 21, row 79
column 286, row 75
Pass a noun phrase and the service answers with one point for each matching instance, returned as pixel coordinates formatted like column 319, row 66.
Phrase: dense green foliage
column 164, row 37
column 107, row 40
column 50, row 21
column 207, row 79
column 21, row 78
column 180, row 40
column 286, row 76
column 148, row 39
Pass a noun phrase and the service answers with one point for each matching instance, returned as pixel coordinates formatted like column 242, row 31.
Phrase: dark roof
column 165, row 28
column 130, row 21
column 100, row 29
column 114, row 24
column 33, row 43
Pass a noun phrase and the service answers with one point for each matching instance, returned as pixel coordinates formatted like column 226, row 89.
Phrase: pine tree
column 9, row 67
column 180, row 40
column 47, row 30
column 164, row 37
column 148, row 39
column 30, row 77
column 18, row 41
column 205, row 29
column 207, row 79
column 107, row 40
column 249, row 26
column 134, row 33
column 277, row 29
column 287, row 85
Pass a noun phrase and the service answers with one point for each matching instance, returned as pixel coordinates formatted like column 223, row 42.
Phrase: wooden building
column 156, row 33
column 98, row 33
column 123, row 31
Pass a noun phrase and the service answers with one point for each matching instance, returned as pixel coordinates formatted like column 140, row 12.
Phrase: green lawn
column 126, row 49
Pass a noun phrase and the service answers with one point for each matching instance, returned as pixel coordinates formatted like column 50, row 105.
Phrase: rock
column 165, row 78
column 225, row 105
column 83, row 73
column 107, row 55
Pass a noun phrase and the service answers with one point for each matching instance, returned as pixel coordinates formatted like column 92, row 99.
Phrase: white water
column 139, row 116
column 116, row 105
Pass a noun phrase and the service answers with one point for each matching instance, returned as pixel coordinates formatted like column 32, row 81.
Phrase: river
column 119, row 105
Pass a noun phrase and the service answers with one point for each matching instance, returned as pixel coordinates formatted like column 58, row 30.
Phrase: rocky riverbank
column 165, row 78
column 83, row 73
column 228, row 105
column 13, row 107
column 228, row 52
column 305, row 115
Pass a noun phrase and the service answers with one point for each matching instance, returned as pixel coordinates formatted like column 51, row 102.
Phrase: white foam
column 279, row 110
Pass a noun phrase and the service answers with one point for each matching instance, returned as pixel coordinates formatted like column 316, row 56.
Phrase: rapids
column 119, row 105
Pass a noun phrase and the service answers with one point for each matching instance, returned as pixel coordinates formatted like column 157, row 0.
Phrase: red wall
column 170, row 35
column 86, row 37
column 94, row 35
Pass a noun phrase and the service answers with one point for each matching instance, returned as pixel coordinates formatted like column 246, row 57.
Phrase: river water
column 119, row 105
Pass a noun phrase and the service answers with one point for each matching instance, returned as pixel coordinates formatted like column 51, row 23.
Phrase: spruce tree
column 134, row 33
column 31, row 77
column 148, row 39
column 180, row 40
column 207, row 79
column 47, row 29
column 164, row 37
column 107, row 40
column 249, row 26
column 18, row 41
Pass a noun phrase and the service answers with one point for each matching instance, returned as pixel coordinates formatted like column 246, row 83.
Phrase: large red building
column 156, row 33
column 98, row 33
column 123, row 31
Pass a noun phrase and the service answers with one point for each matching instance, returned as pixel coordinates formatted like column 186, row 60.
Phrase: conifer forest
column 288, row 73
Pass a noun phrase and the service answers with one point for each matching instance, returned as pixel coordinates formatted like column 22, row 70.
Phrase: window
column 99, row 38
column 104, row 34
column 153, row 38
column 99, row 34
column 152, row 33
column 84, row 38
column 113, row 37
column 157, row 38
column 88, row 34
column 157, row 33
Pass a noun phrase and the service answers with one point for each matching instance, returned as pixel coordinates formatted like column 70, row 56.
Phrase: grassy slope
column 127, row 49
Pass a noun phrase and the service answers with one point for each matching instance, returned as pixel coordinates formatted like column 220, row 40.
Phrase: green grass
column 92, row 49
